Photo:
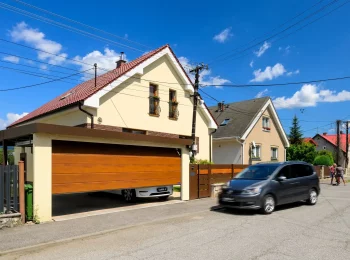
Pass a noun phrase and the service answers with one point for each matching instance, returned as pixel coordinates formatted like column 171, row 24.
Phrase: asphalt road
column 297, row 231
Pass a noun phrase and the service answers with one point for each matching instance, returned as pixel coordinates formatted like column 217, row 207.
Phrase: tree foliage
column 10, row 157
column 301, row 152
column 295, row 135
column 323, row 160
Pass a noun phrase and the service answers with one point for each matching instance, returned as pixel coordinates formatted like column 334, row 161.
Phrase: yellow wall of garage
column 28, row 151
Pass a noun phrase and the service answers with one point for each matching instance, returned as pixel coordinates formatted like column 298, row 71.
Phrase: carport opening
column 88, row 177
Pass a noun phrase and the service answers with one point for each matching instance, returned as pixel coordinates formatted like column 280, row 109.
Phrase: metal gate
column 9, row 192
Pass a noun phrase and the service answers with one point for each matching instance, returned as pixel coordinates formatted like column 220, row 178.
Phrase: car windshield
column 257, row 172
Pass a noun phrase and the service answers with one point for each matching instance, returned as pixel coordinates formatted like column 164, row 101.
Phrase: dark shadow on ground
column 84, row 202
column 248, row 212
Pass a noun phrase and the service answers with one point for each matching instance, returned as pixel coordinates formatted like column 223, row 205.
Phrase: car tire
column 313, row 197
column 129, row 195
column 163, row 198
column 268, row 204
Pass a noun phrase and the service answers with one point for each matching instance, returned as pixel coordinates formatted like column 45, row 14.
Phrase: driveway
column 297, row 231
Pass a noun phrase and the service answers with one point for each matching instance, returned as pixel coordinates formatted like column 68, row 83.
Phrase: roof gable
column 333, row 140
column 88, row 93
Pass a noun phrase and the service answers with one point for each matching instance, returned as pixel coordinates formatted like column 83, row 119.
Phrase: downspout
column 210, row 144
column 89, row 114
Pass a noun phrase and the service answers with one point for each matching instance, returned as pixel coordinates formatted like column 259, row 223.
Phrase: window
column 173, row 104
column 153, row 100
column 256, row 152
column 274, row 153
column 302, row 170
column 266, row 123
column 324, row 147
column 257, row 172
column 225, row 122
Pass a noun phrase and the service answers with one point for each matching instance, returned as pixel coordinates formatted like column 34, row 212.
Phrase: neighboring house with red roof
column 309, row 140
column 129, row 128
column 328, row 142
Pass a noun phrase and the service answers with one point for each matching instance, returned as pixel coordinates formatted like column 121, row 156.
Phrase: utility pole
column 347, row 145
column 338, row 142
column 196, row 71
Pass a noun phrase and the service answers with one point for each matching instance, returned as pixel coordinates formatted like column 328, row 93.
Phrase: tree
column 301, row 152
column 10, row 157
column 295, row 135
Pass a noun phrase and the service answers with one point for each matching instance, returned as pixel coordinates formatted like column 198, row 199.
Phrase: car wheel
column 268, row 205
column 313, row 196
column 129, row 195
column 163, row 198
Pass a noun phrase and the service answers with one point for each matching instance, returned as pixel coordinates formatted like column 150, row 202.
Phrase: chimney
column 121, row 60
column 324, row 133
column 341, row 132
column 221, row 106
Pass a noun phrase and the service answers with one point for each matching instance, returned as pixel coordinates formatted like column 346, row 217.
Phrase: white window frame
column 257, row 153
column 272, row 152
column 266, row 123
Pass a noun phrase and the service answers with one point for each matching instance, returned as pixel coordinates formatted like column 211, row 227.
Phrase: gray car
column 265, row 185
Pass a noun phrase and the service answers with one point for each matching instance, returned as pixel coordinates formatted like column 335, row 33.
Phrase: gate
column 202, row 176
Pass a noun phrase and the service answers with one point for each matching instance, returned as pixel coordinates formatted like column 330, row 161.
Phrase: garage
column 84, row 167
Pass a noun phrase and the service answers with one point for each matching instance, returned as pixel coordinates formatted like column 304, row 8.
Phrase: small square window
column 173, row 105
column 324, row 147
column 153, row 100
column 225, row 122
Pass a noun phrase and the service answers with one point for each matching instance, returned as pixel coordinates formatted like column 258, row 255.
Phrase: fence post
column 232, row 170
column 322, row 172
column 21, row 190
column 2, row 187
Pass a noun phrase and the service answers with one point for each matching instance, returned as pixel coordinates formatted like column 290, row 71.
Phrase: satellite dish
column 253, row 143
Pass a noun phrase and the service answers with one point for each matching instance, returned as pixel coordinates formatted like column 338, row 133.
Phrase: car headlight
column 252, row 191
column 227, row 184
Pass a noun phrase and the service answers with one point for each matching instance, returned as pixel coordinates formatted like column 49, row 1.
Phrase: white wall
column 227, row 152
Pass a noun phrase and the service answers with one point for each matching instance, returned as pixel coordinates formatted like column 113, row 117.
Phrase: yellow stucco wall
column 28, row 151
column 265, row 139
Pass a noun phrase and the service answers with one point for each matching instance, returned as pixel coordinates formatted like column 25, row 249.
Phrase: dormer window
column 225, row 122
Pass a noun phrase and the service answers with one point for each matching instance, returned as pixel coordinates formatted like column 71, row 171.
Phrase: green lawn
column 177, row 188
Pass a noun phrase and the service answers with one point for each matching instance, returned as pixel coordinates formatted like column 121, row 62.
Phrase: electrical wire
column 64, row 26
column 80, row 23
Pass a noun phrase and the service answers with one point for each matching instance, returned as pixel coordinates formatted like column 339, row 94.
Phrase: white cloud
column 12, row 59
column 309, row 95
column 206, row 77
column 290, row 73
column 269, row 73
column 286, row 50
column 251, row 64
column 223, row 36
column 23, row 33
column 262, row 93
column 10, row 118
column 104, row 60
column 262, row 49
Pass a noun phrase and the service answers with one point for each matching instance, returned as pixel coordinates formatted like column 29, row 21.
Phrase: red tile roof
column 310, row 140
column 85, row 90
column 333, row 139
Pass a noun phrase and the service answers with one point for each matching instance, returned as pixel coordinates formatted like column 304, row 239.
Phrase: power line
column 267, row 32
column 278, row 84
column 42, row 83
column 280, row 32
column 64, row 26
column 80, row 23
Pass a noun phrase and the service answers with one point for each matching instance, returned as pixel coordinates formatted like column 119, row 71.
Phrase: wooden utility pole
column 196, row 71
column 338, row 142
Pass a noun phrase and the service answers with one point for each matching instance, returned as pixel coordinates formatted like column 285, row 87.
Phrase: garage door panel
column 83, row 167
column 111, row 159
column 65, row 178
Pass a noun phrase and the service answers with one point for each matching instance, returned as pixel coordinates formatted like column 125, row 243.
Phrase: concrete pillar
column 185, row 174
column 42, row 177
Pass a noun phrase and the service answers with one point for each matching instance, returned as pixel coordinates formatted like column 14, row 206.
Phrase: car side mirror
column 281, row 178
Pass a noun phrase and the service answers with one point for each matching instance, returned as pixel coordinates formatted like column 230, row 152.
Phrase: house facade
column 328, row 142
column 128, row 128
column 249, row 132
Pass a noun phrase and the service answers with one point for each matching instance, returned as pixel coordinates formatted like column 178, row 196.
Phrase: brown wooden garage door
column 81, row 167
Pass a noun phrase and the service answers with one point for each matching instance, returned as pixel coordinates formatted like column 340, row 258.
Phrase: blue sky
column 197, row 32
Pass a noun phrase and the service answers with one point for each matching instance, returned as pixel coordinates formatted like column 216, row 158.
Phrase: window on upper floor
column 173, row 105
column 154, row 109
column 266, row 123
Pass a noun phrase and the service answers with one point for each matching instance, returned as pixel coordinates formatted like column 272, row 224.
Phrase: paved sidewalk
column 33, row 235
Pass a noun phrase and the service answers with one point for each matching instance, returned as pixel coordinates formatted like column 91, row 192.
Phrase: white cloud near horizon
column 309, row 96
column 269, row 73
column 21, row 32
column 223, row 35
column 290, row 73
column 12, row 59
column 206, row 77
column 262, row 93
column 10, row 118
column 263, row 48
column 106, row 60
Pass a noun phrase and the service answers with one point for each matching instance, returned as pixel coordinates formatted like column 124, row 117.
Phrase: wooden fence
column 203, row 176
column 12, row 189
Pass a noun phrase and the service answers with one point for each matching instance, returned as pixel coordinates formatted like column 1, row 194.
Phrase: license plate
column 227, row 199
column 162, row 189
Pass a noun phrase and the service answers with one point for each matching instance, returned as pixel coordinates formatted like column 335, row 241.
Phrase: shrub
column 200, row 161
column 323, row 160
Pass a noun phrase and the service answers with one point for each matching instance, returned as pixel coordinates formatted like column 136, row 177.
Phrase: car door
column 306, row 180
column 300, row 181
column 285, row 190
